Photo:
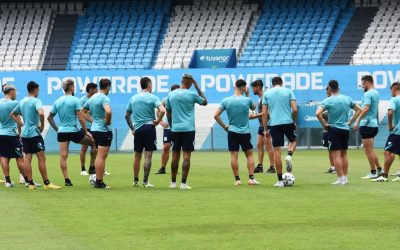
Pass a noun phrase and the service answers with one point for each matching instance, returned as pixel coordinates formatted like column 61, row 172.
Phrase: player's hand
column 164, row 124
column 89, row 135
column 41, row 128
column 156, row 122
column 356, row 125
column 252, row 116
column 133, row 132
column 267, row 135
column 226, row 128
column 391, row 128
column 326, row 126
column 295, row 126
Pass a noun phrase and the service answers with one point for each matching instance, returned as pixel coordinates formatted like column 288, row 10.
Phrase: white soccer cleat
column 185, row 186
column 339, row 181
column 172, row 185
column 253, row 182
column 148, row 185
column 279, row 184
column 289, row 164
column 396, row 179
column 370, row 176
column 238, row 183
column 380, row 179
column 36, row 184
column 135, row 184
column 21, row 179
column 346, row 180
column 92, row 179
column 9, row 185
column 84, row 173
column 106, row 173
column 396, row 174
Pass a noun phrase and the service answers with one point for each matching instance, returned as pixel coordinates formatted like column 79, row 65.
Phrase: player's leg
column 86, row 141
column 5, row 165
column 150, row 145
column 82, row 157
column 102, row 154
column 337, row 161
column 345, row 164
column 370, row 153
column 187, row 149
column 164, row 158
column 325, row 143
column 41, row 156
column 64, row 151
column 148, row 155
column 176, row 156
column 138, row 146
column 270, row 151
column 247, row 148
column 277, row 134
column 235, row 167
column 388, row 161
column 290, row 133
column 136, row 168
column 260, row 151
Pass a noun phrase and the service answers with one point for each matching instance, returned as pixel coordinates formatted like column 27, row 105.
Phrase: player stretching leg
column 91, row 89
column 237, row 107
column 167, row 137
column 257, row 87
column 280, row 104
column 338, row 107
column 68, row 109
column 142, row 106
column 31, row 110
column 392, row 147
column 368, row 124
column 180, row 112
column 100, row 110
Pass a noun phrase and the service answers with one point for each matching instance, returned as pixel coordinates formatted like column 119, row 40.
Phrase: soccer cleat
column 339, row 181
column 279, row 184
column 396, row 179
column 31, row 187
column 253, row 182
column 101, row 185
column 9, row 184
column 51, row 186
column 379, row 171
column 92, row 179
column 380, row 179
column 21, row 179
column 259, row 169
column 271, row 170
column 238, row 183
column 135, row 184
column 370, row 176
column 289, row 165
column 161, row 171
column 36, row 184
column 106, row 173
column 172, row 185
column 69, row 184
column 185, row 186
column 84, row 173
column 331, row 170
column 396, row 174
column 148, row 185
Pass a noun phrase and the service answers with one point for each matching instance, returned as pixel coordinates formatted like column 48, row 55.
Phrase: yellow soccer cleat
column 1, row 181
column 51, row 186
column 32, row 187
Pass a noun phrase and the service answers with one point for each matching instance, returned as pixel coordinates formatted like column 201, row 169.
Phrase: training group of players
column 87, row 121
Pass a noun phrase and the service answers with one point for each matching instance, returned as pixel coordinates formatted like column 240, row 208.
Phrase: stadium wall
column 308, row 84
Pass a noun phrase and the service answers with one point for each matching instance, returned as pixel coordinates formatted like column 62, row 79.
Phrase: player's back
column 7, row 124
column 142, row 106
column 96, row 107
column 279, row 100
column 237, row 109
column 28, row 108
column 66, row 107
column 338, row 107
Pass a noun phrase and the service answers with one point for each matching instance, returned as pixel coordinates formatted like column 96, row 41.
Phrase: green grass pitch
column 213, row 215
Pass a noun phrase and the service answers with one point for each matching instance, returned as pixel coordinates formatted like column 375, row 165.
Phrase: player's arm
column 129, row 121
column 364, row 111
column 169, row 117
column 294, row 111
column 357, row 113
column 41, row 118
column 390, row 119
column 200, row 93
column 162, row 123
column 265, row 119
column 217, row 117
column 319, row 114
column 160, row 116
column 17, row 119
column 108, row 116
column 51, row 121
column 81, row 119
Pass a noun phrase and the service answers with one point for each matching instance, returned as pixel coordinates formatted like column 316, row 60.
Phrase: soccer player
column 280, row 104
column 100, row 110
column 325, row 143
column 237, row 107
column 167, row 137
column 392, row 146
column 31, row 110
column 91, row 89
column 10, row 146
column 338, row 107
column 180, row 112
column 367, row 122
column 68, row 109
column 142, row 106
column 257, row 87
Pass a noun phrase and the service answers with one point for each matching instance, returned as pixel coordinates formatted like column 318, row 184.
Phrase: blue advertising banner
column 213, row 58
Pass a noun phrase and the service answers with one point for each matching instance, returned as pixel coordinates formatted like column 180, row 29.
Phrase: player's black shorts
column 368, row 132
column 235, row 140
column 167, row 136
column 183, row 141
column 279, row 131
column 261, row 130
column 33, row 145
column 338, row 139
column 73, row 136
column 393, row 144
column 145, row 138
column 325, row 140
column 10, row 147
column 103, row 139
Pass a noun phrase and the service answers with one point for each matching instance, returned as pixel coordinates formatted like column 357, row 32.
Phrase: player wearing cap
column 167, row 137
column 180, row 112
column 31, row 110
column 68, row 109
column 392, row 146
column 237, row 107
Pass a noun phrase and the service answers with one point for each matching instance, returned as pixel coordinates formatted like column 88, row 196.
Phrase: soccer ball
column 92, row 179
column 288, row 179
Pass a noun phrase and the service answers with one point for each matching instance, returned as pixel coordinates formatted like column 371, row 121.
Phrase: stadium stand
column 119, row 34
column 380, row 44
column 292, row 33
column 206, row 24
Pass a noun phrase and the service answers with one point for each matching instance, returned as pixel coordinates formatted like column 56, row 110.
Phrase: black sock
column 67, row 180
column 31, row 182
column 92, row 170
column 183, row 180
column 237, row 178
column 379, row 169
column 173, row 179
column 136, row 179
column 46, row 182
column 8, row 180
column 271, row 167
column 373, row 171
column 290, row 153
column 26, row 178
column 251, row 177
column 259, row 165
column 384, row 175
column 163, row 167
column 280, row 177
column 83, row 168
column 99, row 181
column 145, row 180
